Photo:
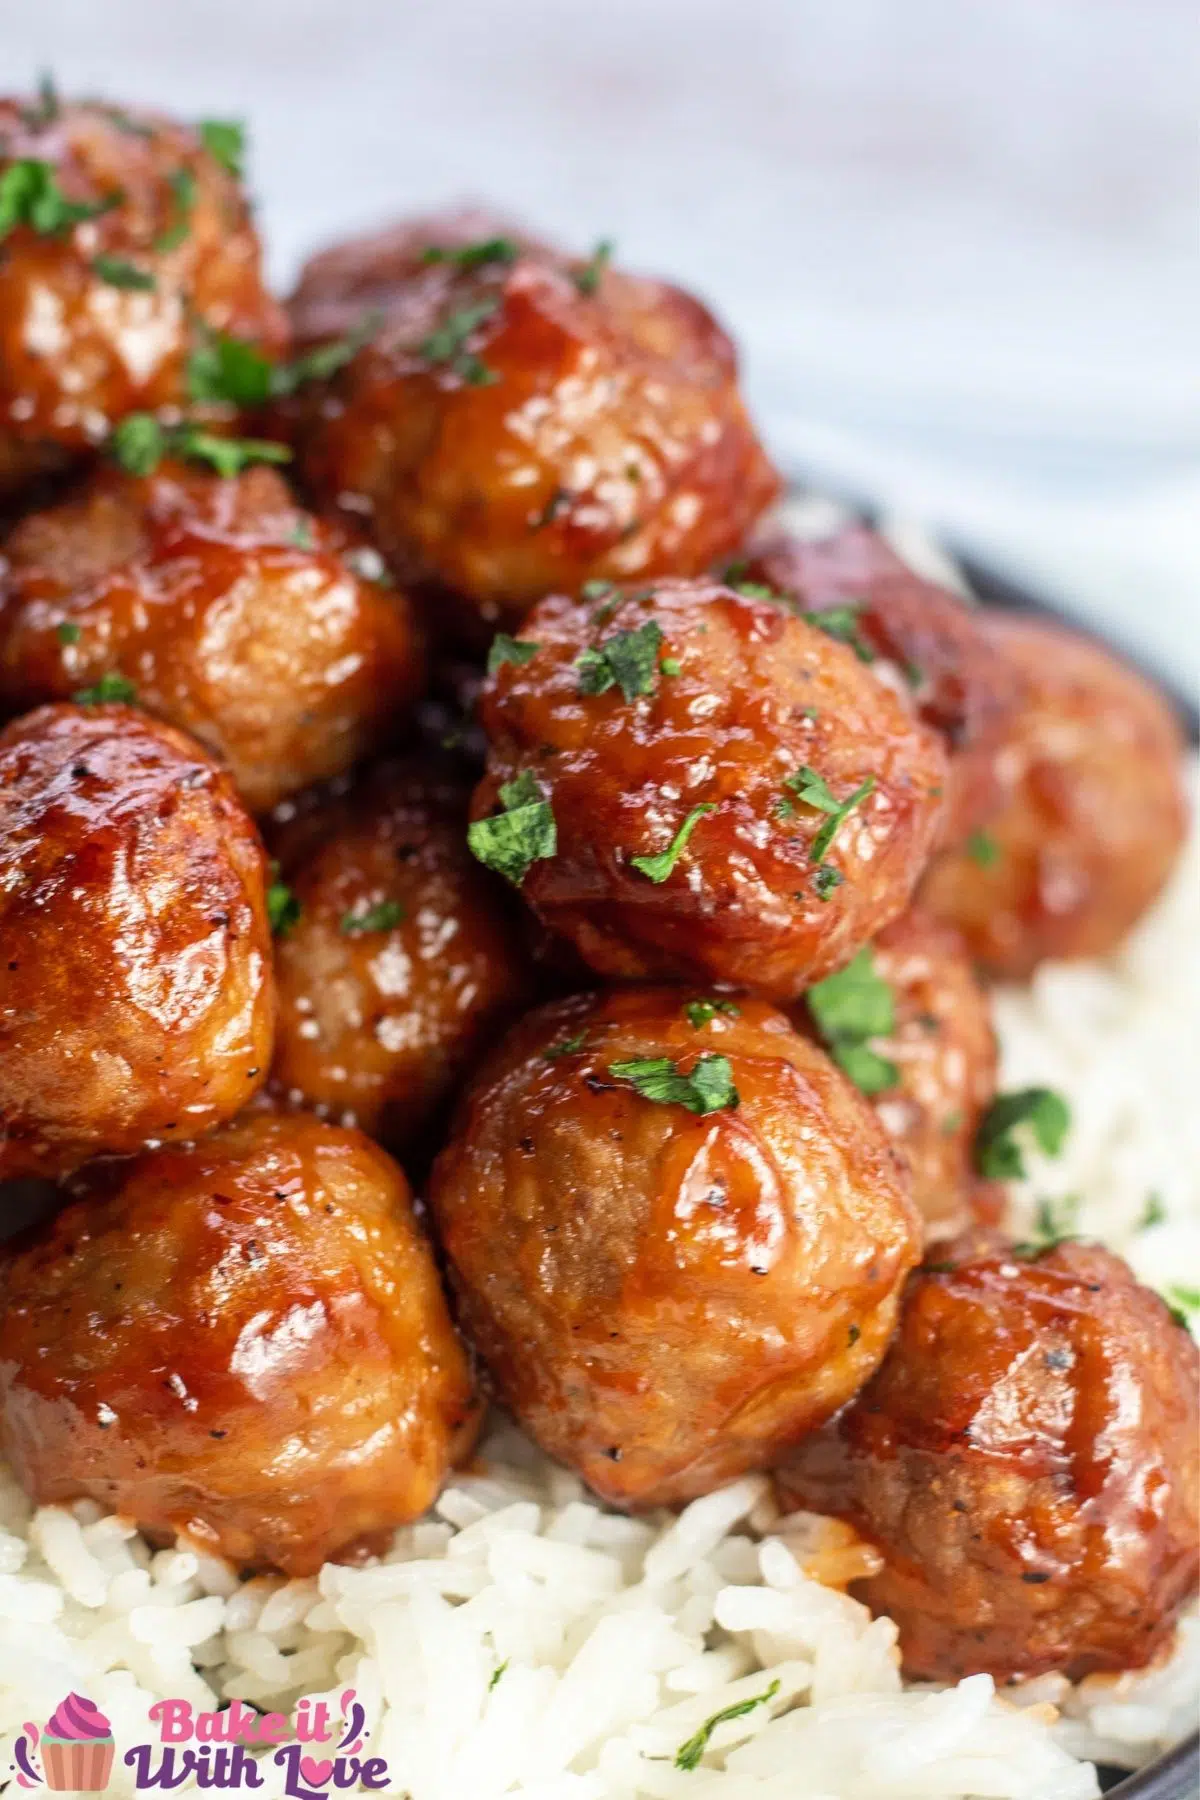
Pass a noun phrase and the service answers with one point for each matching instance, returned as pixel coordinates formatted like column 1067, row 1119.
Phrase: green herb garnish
column 510, row 842
column 110, row 688
column 446, row 346
column 381, row 917
column 139, row 442
column 848, row 1009
column 1184, row 1303
column 567, row 1047
column 841, row 622
column 708, row 1088
column 120, row 274
column 283, row 908
column 222, row 368
column 182, row 184
column 812, row 789
column 657, row 868
column 825, row 879
column 671, row 666
column 701, row 1012
column 30, row 195
column 67, row 632
column 497, row 1673
column 225, row 139
column 587, row 279
column 690, row 1755
column 507, row 649
column 48, row 106
column 999, row 1154
column 629, row 660
column 474, row 256
column 1154, row 1213
column 983, row 849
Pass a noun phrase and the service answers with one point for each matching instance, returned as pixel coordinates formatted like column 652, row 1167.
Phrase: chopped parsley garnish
column 381, row 917
column 223, row 368
column 587, row 279
column 473, row 256
column 691, row 1754
column 598, row 590
column 999, row 1154
column 447, row 346
column 324, row 360
column 510, row 842
column 139, row 442
column 841, row 622
column 629, row 660
column 701, row 1012
column 812, row 789
column 1154, row 1213
column 848, row 1009
column 120, row 274
column 1184, row 1303
column 67, row 632
column 756, row 590
column 1054, row 1222
column 671, row 666
column 826, row 879
column 507, row 649
column 983, row 849
column 182, row 184
column 657, row 868
column 497, row 1673
column 820, row 845
column 30, row 195
column 226, row 140
column 283, row 908
column 567, row 1047
column 301, row 535
column 708, row 1088
column 110, row 688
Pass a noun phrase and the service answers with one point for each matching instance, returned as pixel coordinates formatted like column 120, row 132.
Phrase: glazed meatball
column 403, row 961
column 522, row 422
column 1093, row 813
column 927, row 644
column 123, row 235
column 677, row 1235
column 137, row 1000
column 1026, row 1462
column 910, row 1023
column 227, row 609
column 725, row 793
column 243, row 1341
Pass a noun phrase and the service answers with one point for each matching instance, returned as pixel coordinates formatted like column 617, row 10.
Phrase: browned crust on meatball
column 243, row 1341
column 234, row 613
column 759, row 695
column 1093, row 812
column 666, row 1299
column 1026, row 1461
column 137, row 999
column 571, row 436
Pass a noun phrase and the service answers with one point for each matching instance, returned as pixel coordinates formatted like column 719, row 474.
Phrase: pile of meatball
column 424, row 752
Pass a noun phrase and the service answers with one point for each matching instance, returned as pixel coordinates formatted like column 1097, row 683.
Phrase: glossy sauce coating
column 944, row 1050
column 404, row 962
column 243, row 1341
column 77, row 350
column 568, row 435
column 1093, row 811
column 137, row 999
column 928, row 644
column 1026, row 1460
column 666, row 1299
column 235, row 614
column 758, row 696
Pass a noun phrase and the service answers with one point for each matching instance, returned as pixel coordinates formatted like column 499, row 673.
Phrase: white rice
column 520, row 1641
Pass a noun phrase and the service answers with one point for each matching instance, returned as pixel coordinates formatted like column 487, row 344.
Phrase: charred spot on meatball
column 138, row 1001
column 676, row 1231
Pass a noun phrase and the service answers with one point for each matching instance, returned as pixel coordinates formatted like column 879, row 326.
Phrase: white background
column 957, row 238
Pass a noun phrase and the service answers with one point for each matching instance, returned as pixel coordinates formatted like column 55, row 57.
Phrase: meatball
column 1093, row 813
column 137, row 1000
column 230, row 611
column 692, row 782
column 910, row 1023
column 243, row 1341
column 123, row 234
column 522, row 422
column 1026, row 1462
column 677, row 1234
column 403, row 961
column 927, row 644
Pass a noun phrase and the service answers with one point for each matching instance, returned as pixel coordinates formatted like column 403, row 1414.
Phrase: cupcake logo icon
column 74, row 1749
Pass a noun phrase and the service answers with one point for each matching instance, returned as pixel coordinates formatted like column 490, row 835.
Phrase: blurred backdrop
column 957, row 239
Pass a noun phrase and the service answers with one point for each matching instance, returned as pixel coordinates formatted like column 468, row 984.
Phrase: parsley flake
column 473, row 256
column 812, row 789
column 999, row 1154
column 140, row 441
column 849, row 1008
column 223, row 368
column 1184, row 1303
column 826, row 879
column 841, row 622
column 690, row 1755
column 225, row 139
column 629, row 660
column 671, row 666
column 983, row 849
column 587, row 279
column 283, row 908
column 68, row 633
column 701, row 1012
column 30, row 195
column 507, row 649
column 497, row 1673
column 1155, row 1212
column 182, row 184
column 383, row 916
column 657, row 868
column 110, row 688
column 708, row 1088
column 446, row 347
column 510, row 842
column 120, row 274
column 567, row 1047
